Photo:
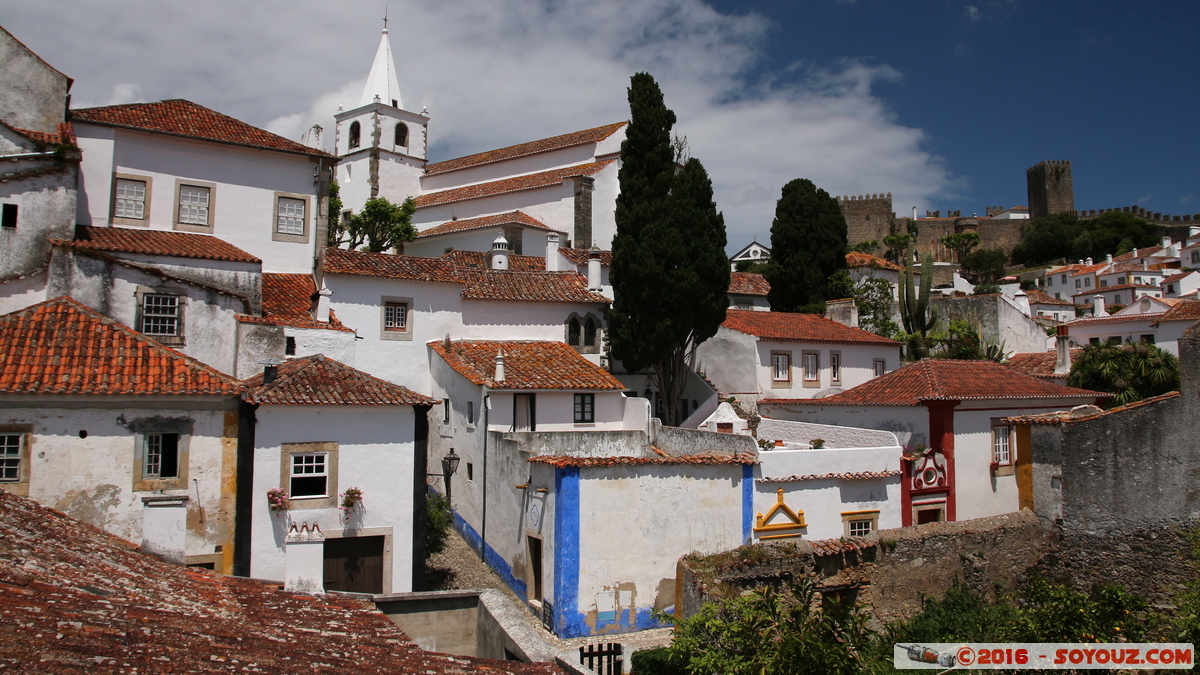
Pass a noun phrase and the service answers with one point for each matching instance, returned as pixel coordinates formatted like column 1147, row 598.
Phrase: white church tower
column 381, row 146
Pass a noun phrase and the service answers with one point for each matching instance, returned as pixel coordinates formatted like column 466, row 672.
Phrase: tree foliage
column 961, row 243
column 438, row 521
column 379, row 227
column 1062, row 235
column 1129, row 371
column 897, row 242
column 334, row 214
column 874, row 300
column 808, row 245
column 987, row 264
column 963, row 341
column 669, row 273
column 867, row 247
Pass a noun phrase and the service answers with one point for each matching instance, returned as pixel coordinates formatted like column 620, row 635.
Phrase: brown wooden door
column 354, row 564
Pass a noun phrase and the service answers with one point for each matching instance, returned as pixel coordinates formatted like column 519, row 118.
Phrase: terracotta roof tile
column 1177, row 276
column 561, row 461
column 178, row 117
column 155, row 242
column 793, row 327
column 484, row 222
column 527, row 365
column 61, row 347
column 413, row 268
column 64, row 134
column 101, row 605
column 316, row 380
column 525, row 149
column 1185, row 310
column 745, row 283
column 1038, row 364
column 1118, row 287
column 1138, row 253
column 287, row 300
column 1083, row 270
column 528, row 286
column 1132, row 267
column 579, row 256
column 947, row 380
column 857, row 475
column 1039, row 297
column 531, row 181
column 828, row 547
column 477, row 260
column 857, row 259
column 1119, row 318
column 1084, row 413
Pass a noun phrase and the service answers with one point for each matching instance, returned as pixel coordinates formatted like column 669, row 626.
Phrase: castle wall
column 1050, row 188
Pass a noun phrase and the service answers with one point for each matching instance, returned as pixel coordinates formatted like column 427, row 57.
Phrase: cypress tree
column 669, row 271
column 808, row 245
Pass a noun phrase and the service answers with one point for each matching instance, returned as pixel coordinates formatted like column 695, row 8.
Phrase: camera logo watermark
column 1042, row 656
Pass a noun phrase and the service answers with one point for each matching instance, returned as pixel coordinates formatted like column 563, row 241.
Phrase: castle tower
column 382, row 146
column 1050, row 188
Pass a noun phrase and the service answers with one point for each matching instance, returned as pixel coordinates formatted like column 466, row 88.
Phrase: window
column 8, row 217
column 289, row 346
column 11, row 457
column 131, row 199
column 880, row 367
column 162, row 315
column 309, row 471
column 1078, row 283
column 1087, row 282
column 524, row 412
column 445, row 411
column 1117, row 299
column 470, row 412
column 1058, row 296
column 835, row 366
column 811, row 365
column 1094, row 341
column 1104, row 283
column 1064, row 278
column 1001, row 448
column 574, row 329
column 589, row 332
column 395, row 318
column 470, row 471
column 860, row 523
column 781, row 366
column 355, row 134
column 161, row 455
column 402, row 134
column 1148, row 339
column 1171, row 288
column 1049, row 281
column 290, row 219
column 194, row 202
column 1196, row 256
column 585, row 405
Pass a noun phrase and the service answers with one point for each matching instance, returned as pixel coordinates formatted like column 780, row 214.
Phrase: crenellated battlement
column 867, row 197
column 1148, row 216
column 1052, row 162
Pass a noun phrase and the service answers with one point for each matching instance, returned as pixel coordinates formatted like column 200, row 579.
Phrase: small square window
column 131, row 199
column 289, row 217
column 10, row 457
column 8, row 219
column 161, row 315
column 585, row 405
column 781, row 366
column 395, row 316
column 194, row 204
column 860, row 528
column 310, row 475
column 161, row 455
column 880, row 366
column 1104, row 283
column 859, row 523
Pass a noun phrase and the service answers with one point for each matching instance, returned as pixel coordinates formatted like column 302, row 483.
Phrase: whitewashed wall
column 542, row 161
column 553, row 206
column 375, row 454
column 556, row 410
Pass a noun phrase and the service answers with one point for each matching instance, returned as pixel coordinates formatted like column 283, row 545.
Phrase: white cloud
column 497, row 72
column 972, row 13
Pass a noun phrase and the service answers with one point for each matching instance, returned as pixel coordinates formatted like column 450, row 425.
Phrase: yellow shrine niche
column 765, row 529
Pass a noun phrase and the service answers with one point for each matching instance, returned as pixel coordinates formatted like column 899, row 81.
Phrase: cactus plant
column 915, row 312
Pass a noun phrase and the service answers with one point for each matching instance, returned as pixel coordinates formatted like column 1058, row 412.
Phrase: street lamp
column 449, row 467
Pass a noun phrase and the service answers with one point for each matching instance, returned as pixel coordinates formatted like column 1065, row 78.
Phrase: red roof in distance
column 746, row 283
column 317, row 380
column 859, row 259
column 413, row 268
column 483, row 222
column 530, row 181
column 528, row 286
column 525, row 149
column 795, row 327
column 287, row 300
column 527, row 365
column 155, row 242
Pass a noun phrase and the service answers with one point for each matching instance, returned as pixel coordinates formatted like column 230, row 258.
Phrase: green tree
column 961, row 243
column 334, row 215
column 379, row 227
column 874, row 299
column 1129, row 371
column 867, row 247
column 987, row 264
column 897, row 242
column 669, row 272
column 1047, row 238
column 438, row 521
column 808, row 245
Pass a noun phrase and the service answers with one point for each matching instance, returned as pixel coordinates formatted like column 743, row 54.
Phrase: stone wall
column 868, row 217
column 1050, row 189
column 998, row 319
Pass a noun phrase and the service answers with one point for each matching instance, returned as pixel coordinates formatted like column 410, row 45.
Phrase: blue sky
column 942, row 103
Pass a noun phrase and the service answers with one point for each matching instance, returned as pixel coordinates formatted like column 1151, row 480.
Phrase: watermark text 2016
column 1043, row 656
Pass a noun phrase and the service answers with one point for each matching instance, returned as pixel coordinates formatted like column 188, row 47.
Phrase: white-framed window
column 1001, row 444
column 781, row 366
column 585, row 408
column 12, row 457
column 130, row 199
column 880, row 366
column 811, row 365
column 835, row 366
column 1078, row 283
column 395, row 316
column 162, row 315
column 194, row 202
column 309, row 475
column 860, row 523
column 289, row 218
column 160, row 455
column 1103, row 283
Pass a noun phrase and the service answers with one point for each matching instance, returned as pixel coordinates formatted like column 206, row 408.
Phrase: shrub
column 438, row 521
column 660, row 661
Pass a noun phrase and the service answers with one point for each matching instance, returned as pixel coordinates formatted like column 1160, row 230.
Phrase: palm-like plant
column 1129, row 371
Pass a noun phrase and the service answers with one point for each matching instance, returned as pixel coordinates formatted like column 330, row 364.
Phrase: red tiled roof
column 793, row 327
column 745, row 283
column 828, row 547
column 1038, row 364
column 1089, row 269
column 155, row 242
column 1176, row 277
column 857, row 475
column 61, row 347
column 1119, row 287
column 359, row 263
column 316, row 380
column 1084, row 413
column 1133, row 267
column 947, row 380
column 178, row 117
column 1039, row 297
column 1140, row 253
column 64, row 134
column 528, row 286
column 484, row 222
column 1117, row 318
column 857, row 259
column 525, row 149
column 531, row 181
column 287, row 300
column 580, row 256
column 478, row 260
column 1186, row 310
column 78, row 600
column 527, row 365
column 562, row 461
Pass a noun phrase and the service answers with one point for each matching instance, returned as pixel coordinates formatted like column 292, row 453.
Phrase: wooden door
column 354, row 564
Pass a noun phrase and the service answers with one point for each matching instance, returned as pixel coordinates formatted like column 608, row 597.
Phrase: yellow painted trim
column 1024, row 467
column 860, row 513
column 762, row 523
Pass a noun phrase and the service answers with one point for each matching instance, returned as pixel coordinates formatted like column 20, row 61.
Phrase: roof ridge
column 612, row 126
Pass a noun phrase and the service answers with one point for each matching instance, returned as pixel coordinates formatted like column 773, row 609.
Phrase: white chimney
column 594, row 269
column 304, row 560
column 323, row 304
column 1166, row 242
column 1062, row 365
column 1089, row 262
column 1022, row 301
column 499, row 366
column 1098, row 306
column 552, row 252
column 914, row 216
column 1193, row 232
column 498, row 256
column 1108, row 258
column 1135, row 255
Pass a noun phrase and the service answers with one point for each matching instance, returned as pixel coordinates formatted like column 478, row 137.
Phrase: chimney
column 914, row 215
column 552, row 252
column 1135, row 255
column 270, row 372
column 323, row 296
column 499, row 366
column 593, row 273
column 164, row 527
column 1089, row 262
column 304, row 560
column 1166, row 242
column 1022, row 300
column 1193, row 232
column 498, row 256
column 1098, row 306
column 1062, row 365
column 1108, row 258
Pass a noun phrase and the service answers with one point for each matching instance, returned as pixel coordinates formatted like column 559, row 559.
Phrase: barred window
column 131, row 199
column 291, row 216
column 160, row 315
column 310, row 474
column 10, row 458
column 193, row 205
column 161, row 455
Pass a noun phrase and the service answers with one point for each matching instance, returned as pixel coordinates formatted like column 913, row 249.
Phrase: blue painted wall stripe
column 747, row 501
column 568, row 622
column 491, row 557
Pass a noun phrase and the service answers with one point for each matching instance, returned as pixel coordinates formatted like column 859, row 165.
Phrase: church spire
column 382, row 80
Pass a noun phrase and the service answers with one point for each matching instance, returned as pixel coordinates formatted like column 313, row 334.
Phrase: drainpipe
column 243, row 509
column 483, row 518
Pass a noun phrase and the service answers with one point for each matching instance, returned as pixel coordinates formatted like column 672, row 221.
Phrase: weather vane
column 385, row 17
